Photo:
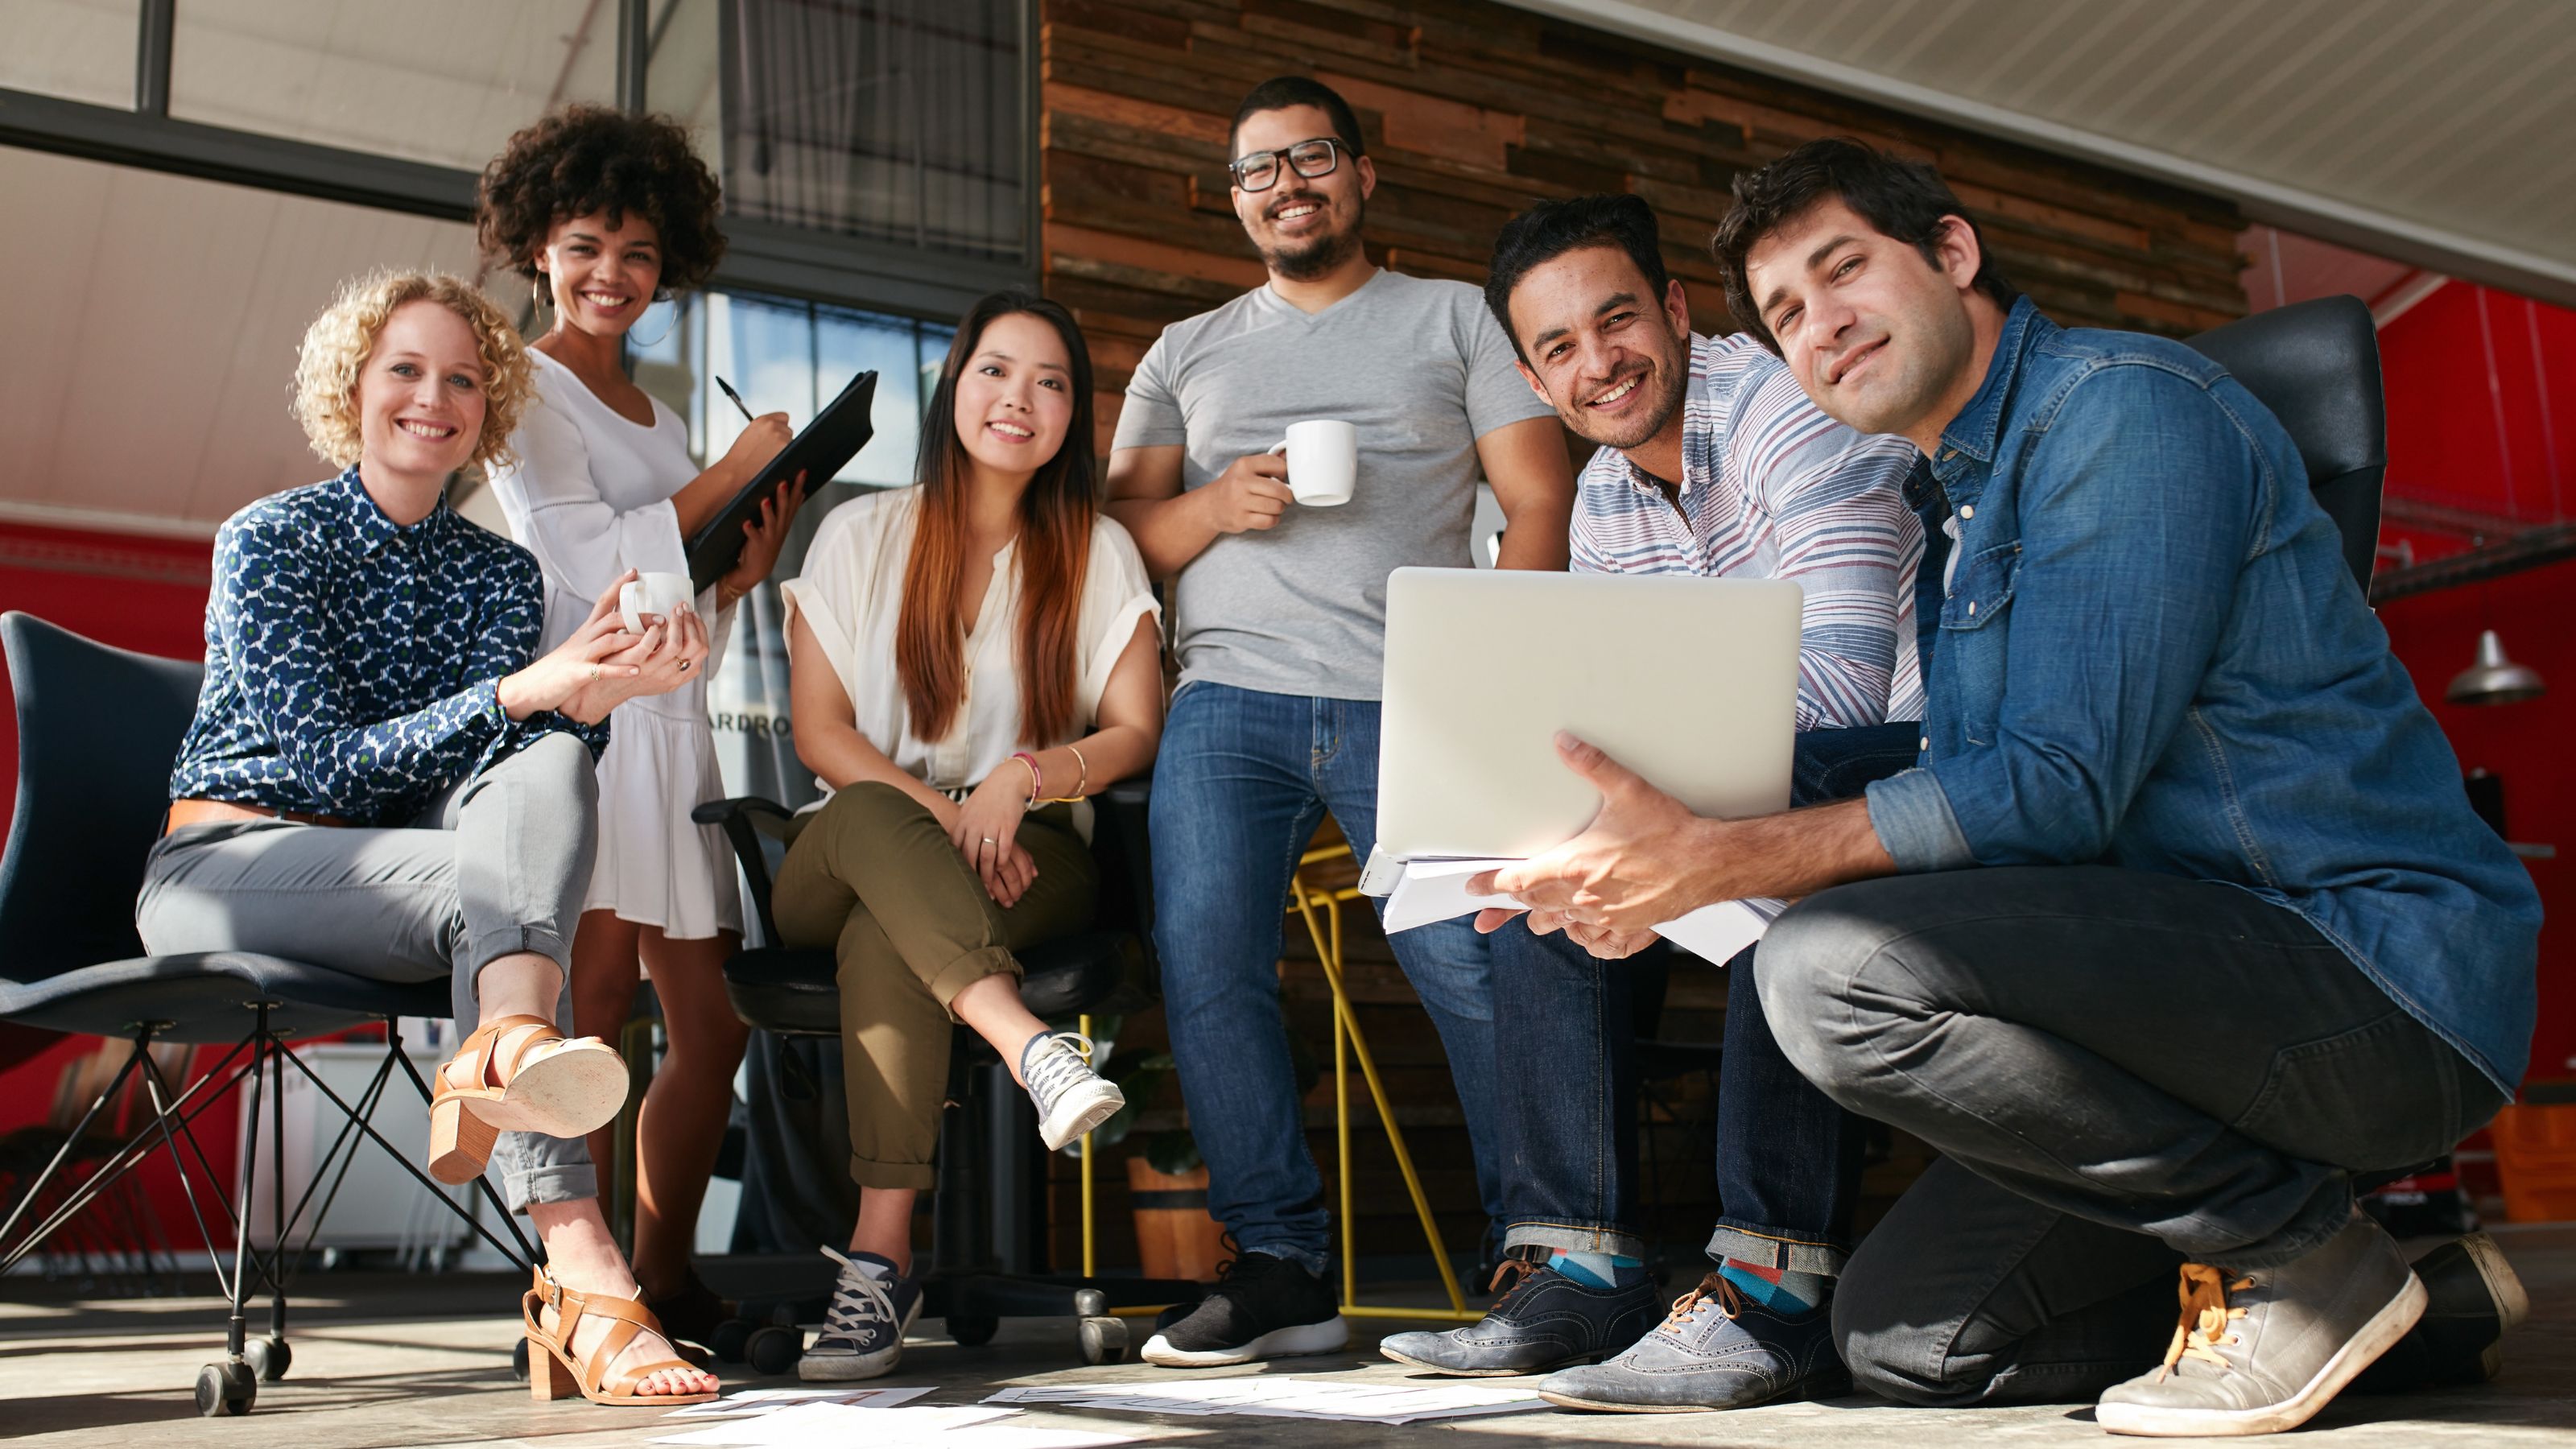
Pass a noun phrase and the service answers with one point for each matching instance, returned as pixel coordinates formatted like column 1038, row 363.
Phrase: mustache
column 1618, row 380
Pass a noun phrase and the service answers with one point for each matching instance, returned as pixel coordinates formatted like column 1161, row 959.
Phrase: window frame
column 760, row 256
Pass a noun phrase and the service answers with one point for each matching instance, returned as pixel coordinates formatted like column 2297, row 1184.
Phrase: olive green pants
column 873, row 876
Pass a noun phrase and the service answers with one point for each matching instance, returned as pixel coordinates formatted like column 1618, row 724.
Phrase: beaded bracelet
column 1037, row 778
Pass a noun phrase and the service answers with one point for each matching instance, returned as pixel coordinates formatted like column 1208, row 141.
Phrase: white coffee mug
column 1323, row 461
column 652, row 594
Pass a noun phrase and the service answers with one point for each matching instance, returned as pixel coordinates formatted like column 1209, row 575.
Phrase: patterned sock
column 1776, row 1289
column 1598, row 1270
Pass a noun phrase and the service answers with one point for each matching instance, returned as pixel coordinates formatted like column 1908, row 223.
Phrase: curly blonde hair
column 339, row 342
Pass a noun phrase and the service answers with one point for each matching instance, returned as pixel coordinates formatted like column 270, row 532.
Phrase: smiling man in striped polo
column 1712, row 462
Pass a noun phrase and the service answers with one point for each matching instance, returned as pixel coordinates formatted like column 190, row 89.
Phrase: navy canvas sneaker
column 1544, row 1320
column 1717, row 1349
column 862, row 1335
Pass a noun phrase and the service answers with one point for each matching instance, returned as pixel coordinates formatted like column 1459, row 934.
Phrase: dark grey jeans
column 2123, row 1070
column 497, row 866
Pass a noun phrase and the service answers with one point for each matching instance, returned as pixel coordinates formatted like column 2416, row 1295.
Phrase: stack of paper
column 749, row 1403
column 1436, row 890
column 1283, row 1396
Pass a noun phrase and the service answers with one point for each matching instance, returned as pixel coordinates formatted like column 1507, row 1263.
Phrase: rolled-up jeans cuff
column 1575, row 1238
column 556, row 1182
column 1764, row 1247
column 1306, row 1258
column 491, row 946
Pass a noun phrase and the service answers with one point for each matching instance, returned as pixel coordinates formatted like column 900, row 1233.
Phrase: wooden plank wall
column 1472, row 110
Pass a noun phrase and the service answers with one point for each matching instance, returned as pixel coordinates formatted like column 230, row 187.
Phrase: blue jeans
column 1788, row 1159
column 1242, row 780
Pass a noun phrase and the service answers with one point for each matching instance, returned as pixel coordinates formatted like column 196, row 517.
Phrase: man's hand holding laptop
column 1646, row 859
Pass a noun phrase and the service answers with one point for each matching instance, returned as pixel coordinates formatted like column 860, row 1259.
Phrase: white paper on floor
column 841, row 1424
column 770, row 1401
column 1284, row 1396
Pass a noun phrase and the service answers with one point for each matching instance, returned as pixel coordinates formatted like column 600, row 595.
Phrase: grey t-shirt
column 1419, row 368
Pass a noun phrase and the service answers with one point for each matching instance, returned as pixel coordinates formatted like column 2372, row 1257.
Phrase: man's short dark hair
column 1283, row 91
column 1902, row 199
column 1552, row 228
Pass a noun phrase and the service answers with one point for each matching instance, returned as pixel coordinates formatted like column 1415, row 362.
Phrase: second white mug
column 1323, row 461
column 652, row 594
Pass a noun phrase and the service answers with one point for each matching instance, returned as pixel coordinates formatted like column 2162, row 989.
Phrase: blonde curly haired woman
column 385, row 777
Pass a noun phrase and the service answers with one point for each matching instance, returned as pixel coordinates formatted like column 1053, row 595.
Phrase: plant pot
column 1175, row 1237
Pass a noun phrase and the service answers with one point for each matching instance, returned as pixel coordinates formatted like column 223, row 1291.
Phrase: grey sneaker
column 2262, row 1352
column 1071, row 1097
column 863, row 1330
column 1544, row 1320
column 1717, row 1349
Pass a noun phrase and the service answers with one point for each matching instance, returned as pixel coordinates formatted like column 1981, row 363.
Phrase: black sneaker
column 1262, row 1307
column 1544, row 1320
column 2472, row 1300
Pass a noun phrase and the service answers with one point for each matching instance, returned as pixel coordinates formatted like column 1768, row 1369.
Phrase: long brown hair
column 1056, row 516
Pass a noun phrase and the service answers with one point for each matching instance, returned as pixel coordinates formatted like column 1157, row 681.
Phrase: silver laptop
column 1690, row 682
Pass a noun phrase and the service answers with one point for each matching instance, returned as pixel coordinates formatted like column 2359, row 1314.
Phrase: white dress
column 591, row 497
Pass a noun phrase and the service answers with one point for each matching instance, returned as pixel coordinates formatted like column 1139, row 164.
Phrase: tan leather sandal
column 551, row 1372
column 537, row 1082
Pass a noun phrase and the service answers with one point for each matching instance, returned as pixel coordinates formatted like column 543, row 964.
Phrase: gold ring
column 684, row 666
column 594, row 674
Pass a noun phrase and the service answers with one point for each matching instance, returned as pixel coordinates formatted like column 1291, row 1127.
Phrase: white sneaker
column 1071, row 1097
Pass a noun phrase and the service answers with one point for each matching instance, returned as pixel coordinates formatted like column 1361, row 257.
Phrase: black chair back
column 2316, row 366
column 97, row 730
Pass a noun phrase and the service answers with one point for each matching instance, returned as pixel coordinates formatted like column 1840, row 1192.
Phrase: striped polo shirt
column 1771, row 488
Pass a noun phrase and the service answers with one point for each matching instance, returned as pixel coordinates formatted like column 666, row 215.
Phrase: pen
column 737, row 400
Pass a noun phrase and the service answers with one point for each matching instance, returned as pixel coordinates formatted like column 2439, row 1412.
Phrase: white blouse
column 851, row 596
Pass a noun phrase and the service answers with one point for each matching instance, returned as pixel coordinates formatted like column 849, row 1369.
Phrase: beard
column 1662, row 385
column 1924, row 358
column 1318, row 256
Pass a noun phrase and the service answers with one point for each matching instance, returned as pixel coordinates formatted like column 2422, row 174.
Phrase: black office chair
column 986, row 1236
column 97, row 730
column 2316, row 366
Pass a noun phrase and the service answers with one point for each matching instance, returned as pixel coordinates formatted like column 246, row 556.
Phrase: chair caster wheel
column 519, row 1360
column 732, row 1339
column 268, row 1357
column 973, row 1330
column 226, row 1388
column 1104, row 1340
column 774, row 1350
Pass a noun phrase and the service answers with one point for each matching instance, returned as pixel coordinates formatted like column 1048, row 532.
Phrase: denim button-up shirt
column 353, row 666
column 2151, row 654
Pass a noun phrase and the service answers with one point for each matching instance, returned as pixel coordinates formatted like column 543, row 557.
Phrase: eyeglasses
column 1259, row 170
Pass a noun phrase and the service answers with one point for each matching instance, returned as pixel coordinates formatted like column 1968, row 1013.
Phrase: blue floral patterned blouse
column 352, row 666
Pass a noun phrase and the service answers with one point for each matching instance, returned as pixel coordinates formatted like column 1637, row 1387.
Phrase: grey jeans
column 2122, row 1070
column 496, row 867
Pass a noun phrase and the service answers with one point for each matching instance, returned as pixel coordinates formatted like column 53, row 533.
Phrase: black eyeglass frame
column 1335, row 145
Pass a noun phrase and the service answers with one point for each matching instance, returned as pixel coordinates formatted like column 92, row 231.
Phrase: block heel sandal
column 552, row 1374
column 542, row 1083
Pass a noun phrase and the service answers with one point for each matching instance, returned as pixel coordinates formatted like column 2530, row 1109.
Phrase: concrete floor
column 384, row 1360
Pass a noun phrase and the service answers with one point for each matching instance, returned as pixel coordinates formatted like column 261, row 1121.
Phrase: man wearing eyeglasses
column 1279, row 614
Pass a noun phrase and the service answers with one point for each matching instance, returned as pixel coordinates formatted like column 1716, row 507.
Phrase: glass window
column 81, row 50
column 792, row 357
column 917, row 134
column 445, row 85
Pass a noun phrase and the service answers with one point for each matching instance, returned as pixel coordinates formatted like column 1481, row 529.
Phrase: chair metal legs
column 231, row 1387
column 1321, row 909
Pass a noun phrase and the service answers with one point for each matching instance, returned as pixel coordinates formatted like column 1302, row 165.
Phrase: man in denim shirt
column 2191, row 923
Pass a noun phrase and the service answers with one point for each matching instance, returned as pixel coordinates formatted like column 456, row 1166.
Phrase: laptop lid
column 1690, row 682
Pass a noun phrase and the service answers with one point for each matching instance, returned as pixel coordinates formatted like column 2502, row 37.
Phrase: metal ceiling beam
column 2442, row 518
column 2309, row 213
column 2530, row 549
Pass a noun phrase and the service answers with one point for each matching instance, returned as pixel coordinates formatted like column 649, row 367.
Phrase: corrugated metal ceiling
column 2440, row 133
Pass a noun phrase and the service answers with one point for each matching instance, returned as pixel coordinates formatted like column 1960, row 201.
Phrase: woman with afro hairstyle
column 605, row 212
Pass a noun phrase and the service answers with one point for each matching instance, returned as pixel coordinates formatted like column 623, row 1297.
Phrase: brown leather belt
column 212, row 812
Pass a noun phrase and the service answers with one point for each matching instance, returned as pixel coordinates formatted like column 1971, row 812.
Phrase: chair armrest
column 744, row 819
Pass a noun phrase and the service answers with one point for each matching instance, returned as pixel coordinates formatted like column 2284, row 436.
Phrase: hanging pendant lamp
column 2494, row 679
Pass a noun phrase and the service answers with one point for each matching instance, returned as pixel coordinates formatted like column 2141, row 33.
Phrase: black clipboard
column 825, row 446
